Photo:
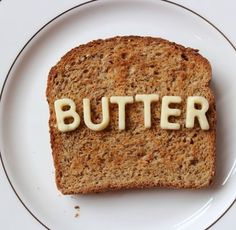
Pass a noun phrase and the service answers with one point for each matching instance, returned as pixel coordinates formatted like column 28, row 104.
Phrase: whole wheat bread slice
column 88, row 161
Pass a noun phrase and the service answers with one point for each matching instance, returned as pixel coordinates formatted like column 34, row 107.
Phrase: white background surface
column 19, row 20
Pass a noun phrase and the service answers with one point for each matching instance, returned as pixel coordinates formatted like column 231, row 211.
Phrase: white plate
column 25, row 148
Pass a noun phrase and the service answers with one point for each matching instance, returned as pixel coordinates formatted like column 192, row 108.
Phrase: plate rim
column 41, row 29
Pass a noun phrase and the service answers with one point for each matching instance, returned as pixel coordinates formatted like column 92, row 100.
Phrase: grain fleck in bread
column 88, row 161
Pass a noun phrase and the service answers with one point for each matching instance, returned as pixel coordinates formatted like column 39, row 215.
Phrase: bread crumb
column 77, row 214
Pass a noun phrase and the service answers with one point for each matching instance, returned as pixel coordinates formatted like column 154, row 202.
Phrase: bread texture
column 88, row 161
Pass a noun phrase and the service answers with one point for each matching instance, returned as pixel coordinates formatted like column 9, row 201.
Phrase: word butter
column 65, row 108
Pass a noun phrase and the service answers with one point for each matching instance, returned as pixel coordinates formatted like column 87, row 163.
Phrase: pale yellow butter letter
column 121, row 101
column 61, row 115
column 166, row 112
column 105, row 115
column 200, row 114
column 147, row 99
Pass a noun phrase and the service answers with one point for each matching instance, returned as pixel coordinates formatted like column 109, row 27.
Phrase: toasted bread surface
column 88, row 161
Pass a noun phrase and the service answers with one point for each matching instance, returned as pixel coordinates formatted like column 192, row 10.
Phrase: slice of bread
column 89, row 161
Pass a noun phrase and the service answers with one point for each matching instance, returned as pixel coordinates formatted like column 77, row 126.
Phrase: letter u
column 105, row 115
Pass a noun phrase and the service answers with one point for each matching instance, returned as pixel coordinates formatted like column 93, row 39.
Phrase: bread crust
column 126, row 66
